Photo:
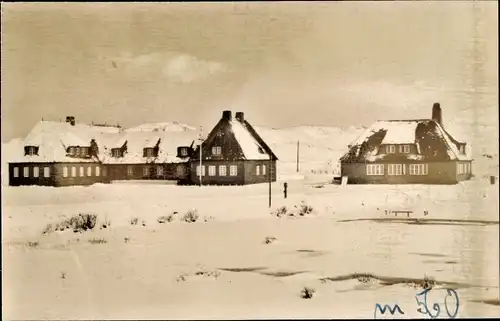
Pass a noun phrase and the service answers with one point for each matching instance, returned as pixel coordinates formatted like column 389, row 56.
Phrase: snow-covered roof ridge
column 402, row 131
column 172, row 126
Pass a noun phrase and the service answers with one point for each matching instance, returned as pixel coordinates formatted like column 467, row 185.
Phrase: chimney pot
column 71, row 120
column 240, row 116
column 437, row 114
column 226, row 114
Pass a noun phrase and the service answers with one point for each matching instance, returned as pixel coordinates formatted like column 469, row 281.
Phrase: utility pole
column 201, row 145
column 270, row 178
column 297, row 156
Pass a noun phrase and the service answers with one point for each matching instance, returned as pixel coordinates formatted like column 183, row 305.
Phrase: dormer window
column 404, row 149
column 216, row 150
column 184, row 151
column 390, row 149
column 149, row 152
column 116, row 152
column 462, row 149
column 77, row 151
column 31, row 150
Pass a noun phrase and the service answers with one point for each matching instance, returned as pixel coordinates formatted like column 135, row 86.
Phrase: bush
column 191, row 216
column 106, row 223
column 134, row 221
column 269, row 239
column 304, row 209
column 208, row 218
column 166, row 218
column 79, row 223
column 307, row 292
column 280, row 212
column 97, row 241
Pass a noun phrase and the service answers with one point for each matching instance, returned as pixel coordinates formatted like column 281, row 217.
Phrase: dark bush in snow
column 78, row 223
column 307, row 292
column 191, row 216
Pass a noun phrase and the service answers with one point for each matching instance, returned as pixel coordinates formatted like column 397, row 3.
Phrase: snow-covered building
column 233, row 154
column 64, row 154
column 407, row 151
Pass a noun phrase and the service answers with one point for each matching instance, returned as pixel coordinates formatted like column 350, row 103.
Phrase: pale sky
column 283, row 64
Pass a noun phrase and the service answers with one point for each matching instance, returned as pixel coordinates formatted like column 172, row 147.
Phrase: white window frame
column 46, row 172
column 390, row 149
column 130, row 170
column 216, row 150
column 222, row 170
column 233, row 170
column 73, row 171
column 202, row 170
column 36, row 171
column 16, row 171
column 263, row 169
column 257, row 170
column 82, row 171
column 89, row 171
column 159, row 170
column 97, row 171
column 419, row 169
column 65, row 171
column 374, row 169
column 395, row 169
column 212, row 170
column 404, row 149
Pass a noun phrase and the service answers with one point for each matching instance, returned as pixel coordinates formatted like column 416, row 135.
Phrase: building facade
column 418, row 151
column 68, row 154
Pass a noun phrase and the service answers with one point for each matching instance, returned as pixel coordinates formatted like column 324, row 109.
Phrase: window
column 391, row 149
column 404, row 149
column 26, row 172
column 375, row 169
column 149, row 152
column 72, row 150
column 216, row 150
column 159, row 170
column 65, row 171
column 46, row 172
column 104, row 171
column 130, row 171
column 82, row 171
column 222, row 170
column 89, row 171
column 418, row 169
column 97, row 171
column 198, row 170
column 233, row 170
column 395, row 169
column 16, row 171
column 145, row 171
column 73, row 171
column 257, row 170
column 211, row 170
column 462, row 168
column 31, row 150
column 184, row 151
column 116, row 152
column 36, row 171
column 263, row 169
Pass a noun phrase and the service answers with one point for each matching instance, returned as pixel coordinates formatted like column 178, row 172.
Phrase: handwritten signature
column 422, row 305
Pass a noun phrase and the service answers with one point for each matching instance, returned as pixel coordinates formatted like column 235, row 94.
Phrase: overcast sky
column 283, row 64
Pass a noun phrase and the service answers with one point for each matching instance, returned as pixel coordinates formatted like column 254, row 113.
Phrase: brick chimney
column 437, row 114
column 226, row 114
column 240, row 116
column 71, row 120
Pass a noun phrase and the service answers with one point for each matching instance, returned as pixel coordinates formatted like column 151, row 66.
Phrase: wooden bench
column 396, row 212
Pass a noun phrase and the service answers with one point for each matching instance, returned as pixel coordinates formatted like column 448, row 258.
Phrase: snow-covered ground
column 220, row 266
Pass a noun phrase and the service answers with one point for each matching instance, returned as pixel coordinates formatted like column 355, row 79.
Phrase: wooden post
column 297, row 156
column 201, row 143
column 270, row 178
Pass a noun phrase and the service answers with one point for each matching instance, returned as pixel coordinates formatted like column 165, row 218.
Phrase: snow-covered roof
column 248, row 143
column 53, row 138
column 384, row 132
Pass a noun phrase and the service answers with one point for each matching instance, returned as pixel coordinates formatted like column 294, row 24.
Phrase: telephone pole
column 270, row 178
column 297, row 156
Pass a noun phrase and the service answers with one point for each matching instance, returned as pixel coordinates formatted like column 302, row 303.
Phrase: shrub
column 134, row 221
column 307, row 292
column 428, row 282
column 79, row 223
column 32, row 244
column 269, row 239
column 191, row 216
column 208, row 218
column 304, row 209
column 97, row 241
column 166, row 218
column 106, row 223
column 280, row 212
